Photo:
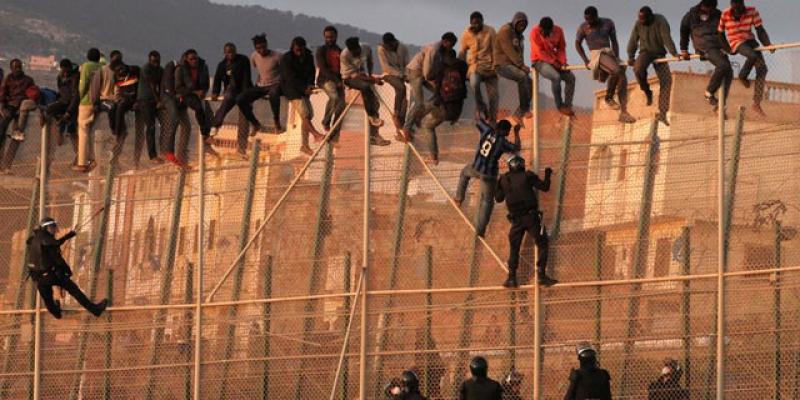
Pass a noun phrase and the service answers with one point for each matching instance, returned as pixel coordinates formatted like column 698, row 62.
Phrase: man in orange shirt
column 549, row 58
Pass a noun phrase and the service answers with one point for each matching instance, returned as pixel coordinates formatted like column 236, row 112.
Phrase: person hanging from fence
column 297, row 84
column 48, row 268
column 62, row 115
column 651, row 36
column 191, row 87
column 147, row 99
column 493, row 143
column 600, row 35
column 420, row 77
column 549, row 58
column 268, row 84
column 231, row 79
column 480, row 386
column 477, row 43
column 507, row 53
column 517, row 188
column 356, row 68
column 736, row 27
column 589, row 381
column 393, row 57
column 700, row 25
column 668, row 386
column 512, row 384
column 450, row 91
column 18, row 98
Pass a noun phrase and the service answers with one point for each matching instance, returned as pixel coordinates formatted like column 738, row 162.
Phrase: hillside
column 68, row 28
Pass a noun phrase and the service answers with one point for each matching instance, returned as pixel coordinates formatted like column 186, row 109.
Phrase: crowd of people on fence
column 429, row 87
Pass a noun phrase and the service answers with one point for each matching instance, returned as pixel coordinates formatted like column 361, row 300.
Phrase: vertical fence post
column 640, row 255
column 188, row 292
column 397, row 239
column 109, row 338
column 97, row 258
column 267, row 291
column 428, row 333
column 537, row 293
column 37, row 334
column 730, row 194
column 347, row 272
column 198, row 280
column 562, row 179
column 16, row 321
column 721, row 247
column 231, row 338
column 465, row 336
column 362, row 365
column 686, row 306
column 599, row 244
column 316, row 265
column 777, row 313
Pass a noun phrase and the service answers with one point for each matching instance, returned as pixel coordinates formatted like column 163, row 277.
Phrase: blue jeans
column 488, row 186
column 335, row 105
column 754, row 59
column 549, row 72
column 524, row 86
column 432, row 119
column 490, row 82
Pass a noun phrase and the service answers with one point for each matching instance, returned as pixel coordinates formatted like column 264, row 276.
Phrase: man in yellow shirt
column 476, row 50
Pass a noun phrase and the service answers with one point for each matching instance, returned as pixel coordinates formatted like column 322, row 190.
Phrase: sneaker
column 566, row 111
column 547, row 281
column 377, row 140
column 745, row 82
column 18, row 135
column 511, row 282
column 758, row 110
column 612, row 104
column 662, row 117
column 649, row 95
column 376, row 122
column 711, row 99
column 306, row 150
column 214, row 132
column 626, row 118
column 98, row 308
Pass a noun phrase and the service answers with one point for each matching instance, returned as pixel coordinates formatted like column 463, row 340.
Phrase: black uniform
column 518, row 190
column 590, row 383
column 666, row 390
column 480, row 389
column 413, row 396
column 48, row 268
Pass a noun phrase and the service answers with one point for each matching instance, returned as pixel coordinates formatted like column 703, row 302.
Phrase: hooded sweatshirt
column 68, row 90
column 508, row 44
column 702, row 29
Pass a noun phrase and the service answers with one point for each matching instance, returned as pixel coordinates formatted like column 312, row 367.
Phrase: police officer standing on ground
column 480, row 386
column 589, row 382
column 517, row 188
column 512, row 383
column 409, row 387
column 668, row 386
column 48, row 268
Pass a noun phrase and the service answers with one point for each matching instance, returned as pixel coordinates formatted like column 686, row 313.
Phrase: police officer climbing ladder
column 48, row 268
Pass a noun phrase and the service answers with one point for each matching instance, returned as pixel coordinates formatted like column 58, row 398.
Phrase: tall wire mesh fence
column 632, row 214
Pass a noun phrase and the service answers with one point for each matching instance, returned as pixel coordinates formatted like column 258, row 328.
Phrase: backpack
column 47, row 96
column 453, row 87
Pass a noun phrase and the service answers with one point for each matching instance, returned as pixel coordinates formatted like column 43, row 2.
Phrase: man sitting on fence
column 266, row 62
column 356, row 69
column 18, row 97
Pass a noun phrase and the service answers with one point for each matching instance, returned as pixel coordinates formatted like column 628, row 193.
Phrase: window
column 623, row 162
column 600, row 165
column 663, row 253
column 758, row 257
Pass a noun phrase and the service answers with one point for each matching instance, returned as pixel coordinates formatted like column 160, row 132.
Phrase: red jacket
column 552, row 49
column 12, row 90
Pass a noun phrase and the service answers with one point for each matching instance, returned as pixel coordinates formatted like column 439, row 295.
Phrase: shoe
column 661, row 117
column 711, row 99
column 307, row 150
column 376, row 122
column 649, row 95
column 98, row 308
column 214, row 132
column 378, row 141
column 511, row 282
column 612, row 104
column 626, row 118
column 566, row 111
column 255, row 129
column 758, row 110
column 547, row 281
column 18, row 135
column 745, row 82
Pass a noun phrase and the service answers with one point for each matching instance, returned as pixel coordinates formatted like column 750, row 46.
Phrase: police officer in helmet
column 589, row 382
column 512, row 384
column 517, row 188
column 480, row 386
column 409, row 386
column 668, row 386
column 48, row 268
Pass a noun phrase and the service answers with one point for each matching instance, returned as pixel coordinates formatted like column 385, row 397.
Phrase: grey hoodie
column 508, row 46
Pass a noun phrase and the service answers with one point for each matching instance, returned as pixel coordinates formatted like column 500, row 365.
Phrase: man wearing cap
column 517, row 188
column 48, row 268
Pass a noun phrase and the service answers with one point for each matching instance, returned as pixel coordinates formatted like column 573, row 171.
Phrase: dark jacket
column 68, row 91
column 480, row 389
column 452, row 106
column 326, row 74
column 704, row 34
column 44, row 253
column 518, row 190
column 297, row 74
column 589, row 383
column 150, row 82
column 167, row 85
column 666, row 390
column 12, row 90
column 234, row 76
column 413, row 396
column 184, row 85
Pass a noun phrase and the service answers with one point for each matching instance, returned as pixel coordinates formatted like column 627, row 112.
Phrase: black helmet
column 409, row 382
column 515, row 162
column 672, row 368
column 47, row 221
column 586, row 353
column 512, row 379
column 479, row 367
